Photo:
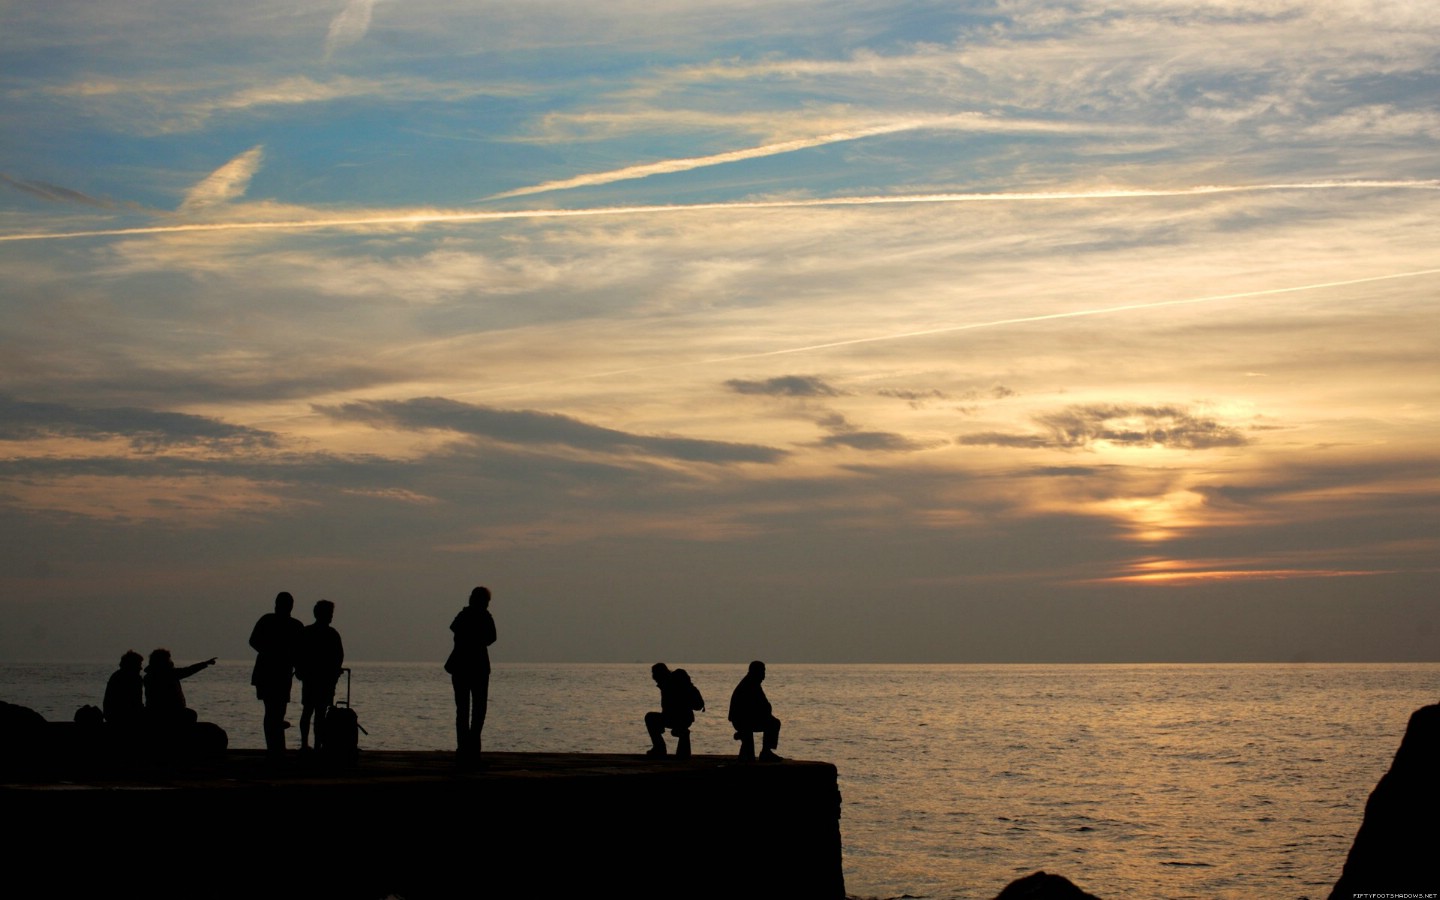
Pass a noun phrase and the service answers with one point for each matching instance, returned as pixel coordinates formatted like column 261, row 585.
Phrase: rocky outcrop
column 30, row 745
column 1395, row 849
column 1043, row 886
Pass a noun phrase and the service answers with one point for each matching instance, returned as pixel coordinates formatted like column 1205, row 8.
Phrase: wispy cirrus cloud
column 226, row 183
column 529, row 427
column 53, row 193
column 179, row 106
column 349, row 26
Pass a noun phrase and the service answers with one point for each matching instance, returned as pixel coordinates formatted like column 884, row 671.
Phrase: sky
column 1012, row 331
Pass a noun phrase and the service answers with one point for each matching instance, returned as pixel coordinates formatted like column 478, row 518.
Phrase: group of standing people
column 285, row 649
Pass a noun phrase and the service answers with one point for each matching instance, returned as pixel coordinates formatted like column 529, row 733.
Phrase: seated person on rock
column 750, row 712
column 164, row 699
column 679, row 698
column 124, row 693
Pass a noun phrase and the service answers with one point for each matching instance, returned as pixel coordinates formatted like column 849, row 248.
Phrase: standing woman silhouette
column 469, row 668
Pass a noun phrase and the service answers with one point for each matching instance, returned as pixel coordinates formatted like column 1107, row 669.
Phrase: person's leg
column 655, row 725
column 682, row 743
column 772, row 739
column 323, row 703
column 462, row 713
column 747, row 744
column 275, row 724
column 482, row 706
column 306, row 713
column 772, row 734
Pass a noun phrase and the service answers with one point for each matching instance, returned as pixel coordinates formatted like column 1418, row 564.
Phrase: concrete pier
column 418, row 826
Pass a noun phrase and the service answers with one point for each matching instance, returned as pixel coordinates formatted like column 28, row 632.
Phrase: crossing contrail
column 416, row 218
column 970, row 122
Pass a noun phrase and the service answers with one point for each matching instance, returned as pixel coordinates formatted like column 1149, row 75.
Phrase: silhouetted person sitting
column 164, row 699
column 124, row 693
column 679, row 698
column 275, row 639
column 317, row 665
column 469, row 668
column 750, row 712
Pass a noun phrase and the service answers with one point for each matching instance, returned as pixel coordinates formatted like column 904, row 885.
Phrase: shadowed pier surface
column 416, row 824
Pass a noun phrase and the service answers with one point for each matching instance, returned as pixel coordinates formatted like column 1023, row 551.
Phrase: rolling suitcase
column 340, row 738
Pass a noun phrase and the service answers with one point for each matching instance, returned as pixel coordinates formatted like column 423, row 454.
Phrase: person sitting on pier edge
column 317, row 664
column 274, row 641
column 164, row 698
column 750, row 712
column 679, row 698
column 469, row 668
column 124, row 693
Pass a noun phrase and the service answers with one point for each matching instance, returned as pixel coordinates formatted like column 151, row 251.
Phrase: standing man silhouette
column 750, row 712
column 469, row 668
column 318, row 661
column 275, row 639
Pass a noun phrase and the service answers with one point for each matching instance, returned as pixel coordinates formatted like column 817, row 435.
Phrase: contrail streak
column 972, row 122
column 415, row 218
column 969, row 326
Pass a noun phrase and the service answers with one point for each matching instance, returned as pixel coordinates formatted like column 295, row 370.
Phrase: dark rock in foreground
column 416, row 825
column 1397, row 849
column 1043, row 886
column 31, row 747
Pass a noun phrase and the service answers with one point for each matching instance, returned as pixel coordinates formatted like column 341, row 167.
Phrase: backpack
column 695, row 700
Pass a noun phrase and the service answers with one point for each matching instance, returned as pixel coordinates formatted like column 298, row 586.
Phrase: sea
column 1160, row 781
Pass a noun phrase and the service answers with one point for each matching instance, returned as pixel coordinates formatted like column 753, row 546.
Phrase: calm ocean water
column 1166, row 781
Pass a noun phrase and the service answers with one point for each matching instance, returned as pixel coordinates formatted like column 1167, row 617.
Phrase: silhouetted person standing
column 317, row 665
column 275, row 639
column 124, row 693
column 164, row 698
column 679, row 698
column 750, row 712
column 469, row 668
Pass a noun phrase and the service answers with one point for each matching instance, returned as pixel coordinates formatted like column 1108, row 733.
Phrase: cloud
column 178, row 106
column 1119, row 425
column 845, row 434
column 528, row 427
column 53, row 192
column 145, row 429
column 1002, row 439
column 349, row 26
column 784, row 386
column 916, row 399
column 225, row 183
column 1138, row 426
